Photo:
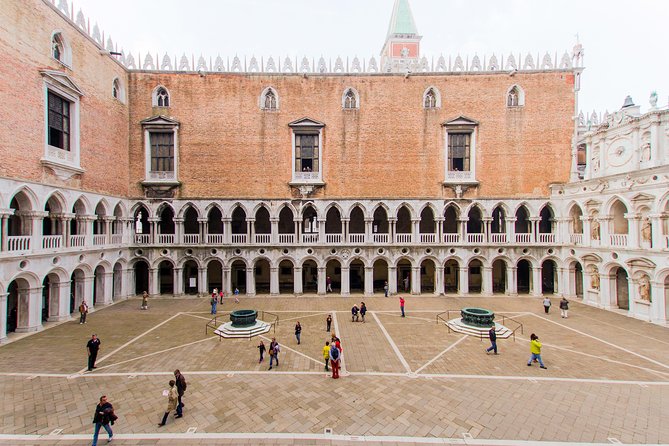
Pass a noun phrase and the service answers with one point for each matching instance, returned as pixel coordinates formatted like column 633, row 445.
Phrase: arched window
column 269, row 100
column 116, row 90
column 350, row 99
column 161, row 97
column 60, row 49
column 431, row 98
column 515, row 97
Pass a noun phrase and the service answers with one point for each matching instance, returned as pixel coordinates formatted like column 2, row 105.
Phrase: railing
column 333, row 238
column 452, row 239
column 52, row 241
column 381, row 238
column 576, row 239
column 546, row 238
column 18, row 243
column 498, row 238
column 117, row 239
column 356, row 238
column 99, row 239
column 142, row 239
column 518, row 325
column 475, row 238
column 263, row 239
column 524, row 238
column 166, row 239
column 310, row 238
column 402, row 238
column 428, row 238
column 618, row 239
column 452, row 175
column 239, row 238
column 288, row 239
column 191, row 239
column 77, row 241
column 216, row 239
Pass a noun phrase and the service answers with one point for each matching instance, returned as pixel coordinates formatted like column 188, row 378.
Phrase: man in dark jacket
column 493, row 340
column 92, row 348
column 181, row 389
column 103, row 417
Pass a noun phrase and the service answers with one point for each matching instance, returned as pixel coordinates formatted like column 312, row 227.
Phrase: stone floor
column 406, row 380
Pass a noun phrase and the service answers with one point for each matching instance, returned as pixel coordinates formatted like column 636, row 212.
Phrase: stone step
column 480, row 332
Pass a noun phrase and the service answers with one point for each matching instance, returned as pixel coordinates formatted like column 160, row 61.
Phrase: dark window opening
column 162, row 152
column 59, row 122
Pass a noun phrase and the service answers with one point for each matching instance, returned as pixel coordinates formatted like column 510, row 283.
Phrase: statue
column 646, row 230
column 594, row 233
column 594, row 279
column 138, row 223
column 645, row 152
column 653, row 100
column 644, row 288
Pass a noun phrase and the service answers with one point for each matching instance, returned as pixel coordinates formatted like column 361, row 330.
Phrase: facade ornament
column 565, row 63
column 96, row 34
column 653, row 100
column 339, row 65
column 511, row 63
column 595, row 230
column 493, row 65
column 287, row 65
column 167, row 63
column 459, row 65
column 345, row 253
column 253, row 65
column 271, row 65
column 593, row 118
column 581, row 119
column 218, row 64
column 148, row 63
column 546, row 63
column 183, row 63
column 236, row 65
column 130, row 62
column 644, row 288
column 387, row 67
column 81, row 20
column 304, row 66
column 62, row 6
column 476, row 64
column 594, row 278
column 355, row 66
column 424, row 65
column 529, row 63
column 201, row 64
column 372, row 67
column 441, row 64
column 595, row 159
column 646, row 230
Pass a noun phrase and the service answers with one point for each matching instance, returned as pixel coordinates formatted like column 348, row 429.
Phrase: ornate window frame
column 58, row 37
column 263, row 94
column 459, row 125
column 307, row 179
column 437, row 98
column 520, row 99
column 118, row 90
column 155, row 98
column 345, row 99
column 64, row 163
column 160, row 184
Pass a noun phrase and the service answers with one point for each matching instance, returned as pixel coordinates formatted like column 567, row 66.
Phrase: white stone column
column 274, row 222
column 321, row 231
column 3, row 304
column 344, row 222
column 202, row 286
column 250, row 281
column 415, row 280
column 227, row 280
column 368, row 229
column 510, row 229
column 633, row 221
column 462, row 227
column 36, row 218
column 534, row 225
column 486, row 280
column 61, row 312
column 204, row 229
column 297, row 280
column 5, row 227
column 512, row 281
column 415, row 230
column 656, row 231
column 178, row 280
column 321, row 278
column 605, row 230
column 605, row 288
column 108, row 281
column 439, row 280
column 536, row 281
column 29, row 310
column 392, row 280
column 178, row 231
column 485, row 222
column 563, row 282
column 463, row 273
column 87, row 284
column 657, row 305
column 392, row 228
column 439, row 226
column 128, row 283
column 88, row 229
column 227, row 229
column 369, row 281
column 345, row 281
column 154, row 282
column 587, row 230
column 274, row 281
column 251, row 232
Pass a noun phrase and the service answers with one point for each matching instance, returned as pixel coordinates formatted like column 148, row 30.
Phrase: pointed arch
column 515, row 96
column 185, row 207
column 431, row 98
column 56, row 202
column 350, row 99
column 26, row 198
column 60, row 48
column 269, row 99
column 358, row 205
column 160, row 97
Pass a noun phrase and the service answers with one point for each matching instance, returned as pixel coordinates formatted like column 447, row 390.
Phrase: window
column 458, row 151
column 161, row 97
column 306, row 152
column 460, row 142
column 431, row 98
column 57, row 47
column 269, row 100
column 60, row 50
column 59, row 121
column 162, row 151
column 350, row 100
column 116, row 89
column 307, row 138
column 515, row 96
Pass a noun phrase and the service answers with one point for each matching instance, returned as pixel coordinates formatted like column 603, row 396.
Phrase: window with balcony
column 59, row 121
column 161, row 145
column 460, row 150
column 307, row 152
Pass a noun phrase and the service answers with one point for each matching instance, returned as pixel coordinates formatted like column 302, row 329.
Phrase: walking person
column 298, row 332
column 402, row 305
column 335, row 357
column 261, row 350
column 181, row 389
column 493, row 340
column 104, row 417
column 363, row 311
column 328, row 322
column 547, row 304
column 274, row 350
column 92, row 347
column 145, row 301
column 236, row 294
column 535, row 350
column 326, row 355
column 221, row 295
column 172, row 400
column 385, row 288
column 83, row 311
column 564, row 307
column 328, row 283
column 213, row 302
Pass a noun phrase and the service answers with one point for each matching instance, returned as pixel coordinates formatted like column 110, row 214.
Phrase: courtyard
column 405, row 380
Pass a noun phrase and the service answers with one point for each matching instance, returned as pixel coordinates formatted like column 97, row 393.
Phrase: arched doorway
column 450, row 225
column 191, row 226
column 46, row 298
column 141, row 270
column 286, row 277
column 190, row 278
column 333, row 226
column 286, row 226
column 99, row 285
column 475, row 278
column 117, row 281
column 548, row 277
column 333, row 271
column 262, row 228
column 51, row 297
column 166, row 277
column 499, row 276
column 379, row 275
column 356, row 226
column 357, row 276
column 404, row 276
column 524, row 276
column 309, row 277
column 261, row 273
column 451, row 273
column 166, row 228
column 215, row 226
column 77, row 289
column 427, row 226
column 17, row 305
column 380, row 226
column 475, row 226
column 577, row 277
column 238, row 276
column 428, row 276
column 214, row 275
column 238, row 228
column 522, row 226
column 622, row 289
column 666, row 298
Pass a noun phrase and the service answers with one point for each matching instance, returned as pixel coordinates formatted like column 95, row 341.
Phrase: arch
column 190, row 217
column 515, row 96
column 262, row 224
column 546, row 219
column 350, row 99
column 619, row 223
column 60, row 48
column 356, row 223
column 189, row 205
column 356, row 274
column 353, row 206
column 140, row 267
column 269, row 99
column 498, row 223
column 118, row 90
column 427, row 223
column 287, row 219
column 522, row 224
column 333, row 274
column 26, row 198
column 452, row 274
column 262, row 267
column 56, row 202
column 475, row 220
column 524, row 268
column 211, row 206
column 102, row 208
column 499, row 271
column 477, row 205
column 120, row 210
column 333, row 223
column 141, row 206
column 286, row 271
column 214, row 219
column 620, row 278
column 431, row 98
column 428, row 274
column 549, row 276
column 411, row 260
column 160, row 97
column 309, row 277
column 191, row 277
column 475, row 275
column 403, row 218
column 575, row 214
column 451, row 217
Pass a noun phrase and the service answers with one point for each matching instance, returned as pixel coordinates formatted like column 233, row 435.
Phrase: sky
column 625, row 41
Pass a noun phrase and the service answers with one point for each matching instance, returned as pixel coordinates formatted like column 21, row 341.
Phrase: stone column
column 462, row 222
column 605, row 231
column 368, row 230
column 36, row 218
column 392, row 280
column 29, row 310
column 67, row 230
column 587, row 230
column 298, row 231
column 536, row 281
column 369, row 281
column 486, row 229
column 510, row 229
column 439, row 282
column 605, row 290
column 203, row 286
column 415, row 230
column 250, row 281
column 344, row 222
column 154, row 282
column 512, row 281
column 658, row 302
column 88, row 229
column 321, row 278
column 656, row 231
column 3, row 302
column 251, row 231
column 563, row 281
column 297, row 280
column 227, row 280
column 439, row 225
column 486, row 280
column 634, row 229
column 274, row 222
column 392, row 228
column 204, row 229
column 62, row 310
column 128, row 283
column 534, row 229
column 415, row 279
column 463, row 281
column 321, row 231
column 227, row 229
column 108, row 281
column 345, row 281
column 178, row 230
column 153, row 230
column 5, row 227
column 178, row 280
column 274, row 281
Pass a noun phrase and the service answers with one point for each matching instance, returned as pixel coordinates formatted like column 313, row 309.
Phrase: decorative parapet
column 305, row 65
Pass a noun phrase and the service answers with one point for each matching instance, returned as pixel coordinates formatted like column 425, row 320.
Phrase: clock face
column 618, row 154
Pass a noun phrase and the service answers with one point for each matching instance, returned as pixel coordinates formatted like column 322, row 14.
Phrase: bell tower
column 402, row 46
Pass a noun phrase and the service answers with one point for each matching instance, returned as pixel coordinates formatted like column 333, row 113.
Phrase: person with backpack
column 335, row 357
column 103, row 417
column 181, row 389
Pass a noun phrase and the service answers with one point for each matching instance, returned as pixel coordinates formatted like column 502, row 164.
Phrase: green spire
column 401, row 22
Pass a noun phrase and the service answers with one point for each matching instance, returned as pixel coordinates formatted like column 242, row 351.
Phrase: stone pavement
column 406, row 380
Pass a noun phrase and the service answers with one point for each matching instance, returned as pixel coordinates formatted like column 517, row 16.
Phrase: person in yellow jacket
column 326, row 355
column 535, row 349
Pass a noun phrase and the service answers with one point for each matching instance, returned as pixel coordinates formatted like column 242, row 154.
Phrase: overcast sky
column 625, row 41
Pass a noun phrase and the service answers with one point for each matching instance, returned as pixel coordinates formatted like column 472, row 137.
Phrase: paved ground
column 407, row 380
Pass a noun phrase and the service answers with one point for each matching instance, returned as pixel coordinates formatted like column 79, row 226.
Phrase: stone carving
column 493, row 65
column 372, row 67
column 287, row 65
column 593, row 118
column 148, row 63
column 595, row 230
column 201, row 64
column 183, row 63
column 304, row 66
column 529, row 63
column 594, row 279
column 511, row 63
column 339, row 65
column 167, row 63
column 546, row 62
column 595, row 159
column 387, row 66
column 130, row 62
column 322, row 66
column 459, row 65
column 110, row 44
column 271, row 65
column 581, row 119
column 345, row 253
column 646, row 230
column 424, row 65
column 645, row 150
column 644, row 288
column 653, row 100
column 476, row 64
column 218, row 64
column 81, row 20
column 253, row 65
column 236, row 65
column 355, row 66
column 565, row 63
column 96, row 34
column 441, row 64
column 62, row 6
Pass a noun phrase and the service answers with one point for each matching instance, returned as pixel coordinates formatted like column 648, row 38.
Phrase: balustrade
column 382, row 238
column 333, row 238
column 18, row 243
column 310, row 238
column 191, row 239
column 166, row 239
column 356, row 238
column 52, row 241
column 498, row 238
column 77, row 241
column 576, row 239
column 142, row 239
column 451, row 239
column 216, row 239
column 428, row 238
column 263, row 239
column 117, row 239
column 402, row 238
column 524, row 238
column 475, row 238
column 546, row 238
column 99, row 239
column 287, row 239
column 618, row 239
column 238, row 238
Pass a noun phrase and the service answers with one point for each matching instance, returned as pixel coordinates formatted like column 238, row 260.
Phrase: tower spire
column 402, row 45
